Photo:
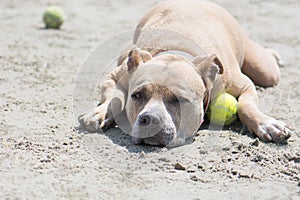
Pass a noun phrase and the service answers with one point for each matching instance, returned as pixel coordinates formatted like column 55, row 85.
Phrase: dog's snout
column 148, row 119
column 144, row 120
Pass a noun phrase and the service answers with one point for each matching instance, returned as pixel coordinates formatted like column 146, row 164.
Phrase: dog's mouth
column 164, row 137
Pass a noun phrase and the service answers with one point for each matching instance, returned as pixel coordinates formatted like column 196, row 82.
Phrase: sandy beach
column 44, row 156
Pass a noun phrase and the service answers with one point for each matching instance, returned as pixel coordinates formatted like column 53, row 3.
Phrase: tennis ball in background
column 222, row 110
column 53, row 17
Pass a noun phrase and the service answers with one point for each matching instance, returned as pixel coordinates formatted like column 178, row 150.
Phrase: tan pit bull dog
column 163, row 84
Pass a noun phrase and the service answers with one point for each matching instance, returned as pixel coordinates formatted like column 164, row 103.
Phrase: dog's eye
column 137, row 96
column 177, row 100
column 182, row 100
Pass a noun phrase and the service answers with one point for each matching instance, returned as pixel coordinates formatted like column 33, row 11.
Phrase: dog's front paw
column 274, row 131
column 96, row 119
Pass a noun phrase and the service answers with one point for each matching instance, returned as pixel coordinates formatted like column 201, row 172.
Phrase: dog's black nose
column 144, row 119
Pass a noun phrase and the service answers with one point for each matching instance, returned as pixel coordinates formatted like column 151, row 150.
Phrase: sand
column 43, row 155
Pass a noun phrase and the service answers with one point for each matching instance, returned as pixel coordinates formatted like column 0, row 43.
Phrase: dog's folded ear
column 208, row 67
column 136, row 57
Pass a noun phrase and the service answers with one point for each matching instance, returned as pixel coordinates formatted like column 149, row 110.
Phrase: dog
column 163, row 84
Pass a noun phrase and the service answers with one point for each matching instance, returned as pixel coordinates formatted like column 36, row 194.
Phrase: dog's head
column 165, row 96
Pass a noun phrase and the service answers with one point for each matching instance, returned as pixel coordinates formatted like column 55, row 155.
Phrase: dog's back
column 211, row 27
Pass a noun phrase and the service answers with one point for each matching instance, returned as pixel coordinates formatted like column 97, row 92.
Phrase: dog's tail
column 277, row 57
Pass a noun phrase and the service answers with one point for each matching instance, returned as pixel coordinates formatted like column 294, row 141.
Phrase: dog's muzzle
column 150, row 129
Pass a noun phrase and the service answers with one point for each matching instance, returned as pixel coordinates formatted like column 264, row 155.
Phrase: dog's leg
column 261, row 65
column 265, row 127
column 111, row 103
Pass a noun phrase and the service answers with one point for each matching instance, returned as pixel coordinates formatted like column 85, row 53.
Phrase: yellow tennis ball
column 223, row 110
column 53, row 17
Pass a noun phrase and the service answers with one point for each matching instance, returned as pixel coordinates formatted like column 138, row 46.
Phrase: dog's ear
column 208, row 67
column 136, row 57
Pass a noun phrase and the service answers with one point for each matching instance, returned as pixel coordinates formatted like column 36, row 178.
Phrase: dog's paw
column 274, row 131
column 96, row 119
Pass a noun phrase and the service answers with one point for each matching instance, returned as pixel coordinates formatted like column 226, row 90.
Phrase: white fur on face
column 158, row 110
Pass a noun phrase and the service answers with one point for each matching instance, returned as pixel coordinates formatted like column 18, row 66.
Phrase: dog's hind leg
column 261, row 65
